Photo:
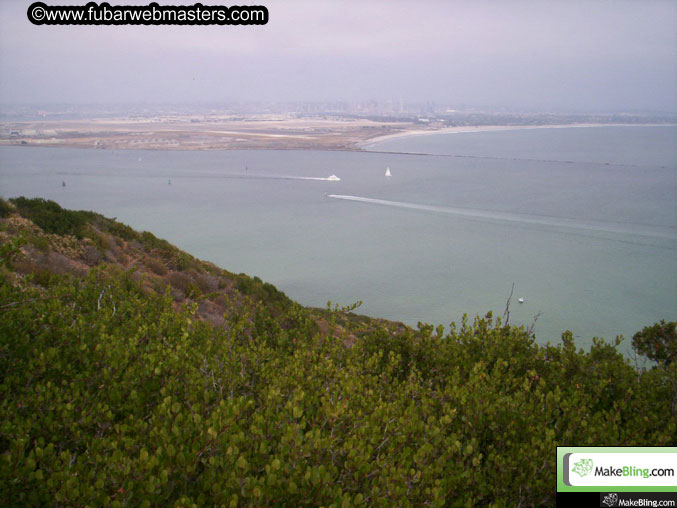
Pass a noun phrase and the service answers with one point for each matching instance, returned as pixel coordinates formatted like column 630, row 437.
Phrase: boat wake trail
column 332, row 178
column 244, row 176
column 556, row 222
column 329, row 179
column 236, row 176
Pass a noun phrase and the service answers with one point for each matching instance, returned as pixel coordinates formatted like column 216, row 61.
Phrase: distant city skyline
column 556, row 56
column 360, row 108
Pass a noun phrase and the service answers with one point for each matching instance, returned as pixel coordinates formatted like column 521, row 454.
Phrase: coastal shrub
column 162, row 247
column 121, row 257
column 182, row 281
column 113, row 395
column 109, row 396
column 155, row 265
column 120, row 230
column 207, row 283
column 52, row 218
column 101, row 240
column 245, row 284
column 39, row 242
column 91, row 255
column 657, row 342
column 6, row 208
column 38, row 273
column 261, row 291
column 11, row 250
column 182, row 261
column 57, row 263
column 49, row 216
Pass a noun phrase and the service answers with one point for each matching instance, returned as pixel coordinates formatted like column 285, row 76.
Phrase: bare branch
column 506, row 313
column 533, row 323
column 12, row 304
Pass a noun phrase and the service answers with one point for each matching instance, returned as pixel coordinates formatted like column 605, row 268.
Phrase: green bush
column 261, row 291
column 11, row 250
column 39, row 242
column 49, row 216
column 152, row 243
column 111, row 397
column 657, row 342
column 156, row 266
column 5, row 208
column 121, row 230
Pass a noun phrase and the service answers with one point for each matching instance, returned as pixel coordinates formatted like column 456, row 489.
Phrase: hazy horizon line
column 431, row 103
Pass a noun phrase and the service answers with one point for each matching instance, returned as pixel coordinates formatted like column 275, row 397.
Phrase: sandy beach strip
column 489, row 128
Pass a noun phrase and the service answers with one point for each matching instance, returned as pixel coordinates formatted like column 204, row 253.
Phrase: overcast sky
column 532, row 55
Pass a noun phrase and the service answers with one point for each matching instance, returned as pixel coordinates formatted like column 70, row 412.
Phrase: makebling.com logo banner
column 627, row 469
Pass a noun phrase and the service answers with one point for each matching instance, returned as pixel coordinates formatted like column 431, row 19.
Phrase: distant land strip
column 244, row 132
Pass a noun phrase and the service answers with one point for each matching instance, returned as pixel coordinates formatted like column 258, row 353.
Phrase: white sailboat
column 388, row 171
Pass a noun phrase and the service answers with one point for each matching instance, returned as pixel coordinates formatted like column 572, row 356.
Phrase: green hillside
column 133, row 374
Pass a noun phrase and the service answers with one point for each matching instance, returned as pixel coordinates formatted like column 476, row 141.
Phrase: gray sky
column 532, row 55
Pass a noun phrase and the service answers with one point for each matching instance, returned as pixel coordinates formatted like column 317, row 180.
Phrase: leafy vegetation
column 5, row 208
column 116, row 394
column 49, row 216
column 658, row 342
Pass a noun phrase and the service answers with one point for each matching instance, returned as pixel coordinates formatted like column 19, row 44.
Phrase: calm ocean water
column 582, row 220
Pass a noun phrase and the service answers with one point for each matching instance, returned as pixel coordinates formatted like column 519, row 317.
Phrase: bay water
column 582, row 220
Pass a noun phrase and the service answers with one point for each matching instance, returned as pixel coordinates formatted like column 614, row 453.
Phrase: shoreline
column 285, row 134
column 364, row 145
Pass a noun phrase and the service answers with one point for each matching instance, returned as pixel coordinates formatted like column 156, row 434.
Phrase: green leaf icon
column 582, row 467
